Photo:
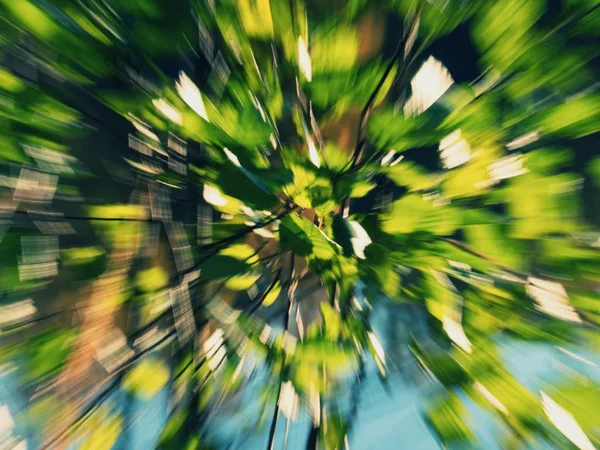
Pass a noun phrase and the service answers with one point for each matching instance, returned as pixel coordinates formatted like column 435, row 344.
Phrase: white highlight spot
column 313, row 153
column 304, row 62
column 455, row 332
column 145, row 131
column 508, row 167
column 314, row 404
column 388, row 157
column 576, row 357
column 167, row 110
column 377, row 346
column 289, row 343
column 490, row 398
column 459, row 265
column 17, row 312
column 454, row 150
column 288, row 401
column 113, row 350
column 189, row 93
column 564, row 422
column 524, row 140
column 397, row 160
column 551, row 299
column 360, row 239
column 213, row 196
column 265, row 334
column 263, row 232
column 6, row 421
column 231, row 157
column 428, row 85
column 214, row 349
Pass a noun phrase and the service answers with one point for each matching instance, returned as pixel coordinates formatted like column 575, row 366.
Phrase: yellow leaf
column 9, row 82
column 256, row 18
column 33, row 18
column 242, row 282
column 82, row 254
column 152, row 279
column 243, row 252
column 335, row 50
column 272, row 295
column 147, row 378
column 333, row 323
column 104, row 434
column 118, row 211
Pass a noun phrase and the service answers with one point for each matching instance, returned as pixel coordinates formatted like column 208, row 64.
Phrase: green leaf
column 390, row 282
column 221, row 202
column 48, row 352
column 256, row 18
column 332, row 321
column 412, row 213
column 334, row 50
column 303, row 238
column 10, row 82
column 307, row 378
column 388, row 130
column 593, row 170
column 490, row 240
column 352, row 186
column 412, row 176
column 579, row 397
column 550, row 205
column 575, row 118
column 221, row 266
column 342, row 234
column 335, row 436
column 172, row 427
column 33, row 18
column 341, row 91
column 503, row 30
column 334, row 357
column 405, row 215
column 380, row 270
column 335, row 158
column 193, row 443
column 227, row 228
column 471, row 179
column 310, row 189
column 447, row 418
column 436, row 19
column 243, row 186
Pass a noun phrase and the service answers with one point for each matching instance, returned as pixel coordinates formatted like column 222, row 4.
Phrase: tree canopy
column 194, row 192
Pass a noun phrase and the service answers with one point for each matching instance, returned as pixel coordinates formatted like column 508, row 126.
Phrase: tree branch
column 271, row 441
column 69, row 429
column 366, row 111
column 260, row 301
column 522, row 276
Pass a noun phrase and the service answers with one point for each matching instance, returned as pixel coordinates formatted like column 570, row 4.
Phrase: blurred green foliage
column 299, row 138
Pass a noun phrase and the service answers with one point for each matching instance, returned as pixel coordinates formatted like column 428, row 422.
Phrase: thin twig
column 69, row 429
column 521, row 276
column 366, row 111
column 291, row 289
column 267, row 291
